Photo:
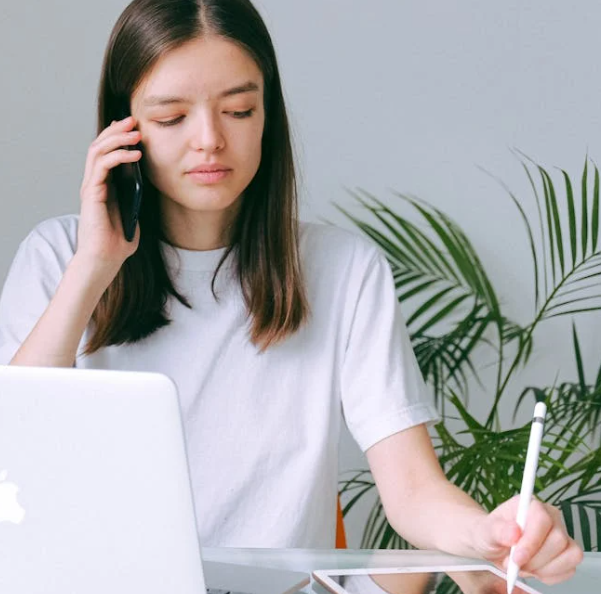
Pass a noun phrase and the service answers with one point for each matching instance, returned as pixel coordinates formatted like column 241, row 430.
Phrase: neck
column 197, row 230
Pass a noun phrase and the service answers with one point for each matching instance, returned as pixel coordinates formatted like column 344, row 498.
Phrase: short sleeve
column 383, row 391
column 31, row 282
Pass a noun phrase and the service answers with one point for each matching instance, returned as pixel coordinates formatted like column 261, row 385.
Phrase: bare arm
column 430, row 512
column 420, row 503
column 101, row 251
column 54, row 340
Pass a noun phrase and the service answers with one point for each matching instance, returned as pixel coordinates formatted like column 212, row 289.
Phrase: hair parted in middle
column 264, row 240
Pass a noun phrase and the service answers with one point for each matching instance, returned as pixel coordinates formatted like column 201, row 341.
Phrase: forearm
column 439, row 516
column 420, row 503
column 54, row 340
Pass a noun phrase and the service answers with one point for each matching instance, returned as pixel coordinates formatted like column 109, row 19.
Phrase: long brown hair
column 265, row 236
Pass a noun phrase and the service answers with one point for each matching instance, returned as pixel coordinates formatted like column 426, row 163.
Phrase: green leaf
column 417, row 257
column 595, row 216
column 541, row 226
column 425, row 307
column 579, row 364
column 584, row 209
column 347, row 508
column 571, row 217
column 585, row 528
column 455, row 250
column 550, row 229
column 568, row 518
column 598, row 523
column 383, row 242
column 423, row 243
column 434, row 258
column 441, row 314
column 415, row 290
column 570, row 312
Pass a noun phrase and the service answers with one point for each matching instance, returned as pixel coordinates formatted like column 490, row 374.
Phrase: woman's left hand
column 543, row 550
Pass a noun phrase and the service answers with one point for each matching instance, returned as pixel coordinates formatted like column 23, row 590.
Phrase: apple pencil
column 536, row 436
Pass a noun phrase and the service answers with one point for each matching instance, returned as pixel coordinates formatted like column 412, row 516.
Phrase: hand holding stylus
column 525, row 534
column 530, row 468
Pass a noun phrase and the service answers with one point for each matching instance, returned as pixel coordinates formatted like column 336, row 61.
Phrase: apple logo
column 10, row 510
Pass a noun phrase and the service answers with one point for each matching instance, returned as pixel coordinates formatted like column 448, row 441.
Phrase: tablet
column 439, row 579
column 233, row 578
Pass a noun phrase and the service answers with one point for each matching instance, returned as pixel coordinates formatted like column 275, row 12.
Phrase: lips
column 208, row 174
column 209, row 168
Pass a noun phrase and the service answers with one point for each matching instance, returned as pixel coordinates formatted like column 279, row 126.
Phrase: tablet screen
column 451, row 581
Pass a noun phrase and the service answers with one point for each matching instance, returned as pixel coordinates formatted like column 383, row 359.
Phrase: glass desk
column 586, row 581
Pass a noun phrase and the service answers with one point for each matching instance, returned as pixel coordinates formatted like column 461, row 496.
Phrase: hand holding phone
column 101, row 238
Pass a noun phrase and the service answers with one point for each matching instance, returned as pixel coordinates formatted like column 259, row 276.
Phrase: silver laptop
column 95, row 494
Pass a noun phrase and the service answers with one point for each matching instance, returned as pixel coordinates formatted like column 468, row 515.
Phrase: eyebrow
column 153, row 100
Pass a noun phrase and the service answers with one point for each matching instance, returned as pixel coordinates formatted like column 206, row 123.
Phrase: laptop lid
column 95, row 495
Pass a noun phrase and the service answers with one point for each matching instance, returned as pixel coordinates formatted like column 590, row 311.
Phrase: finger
column 560, row 565
column 111, row 160
column 117, row 140
column 538, row 527
column 103, row 165
column 556, row 543
column 556, row 579
column 110, row 143
column 123, row 125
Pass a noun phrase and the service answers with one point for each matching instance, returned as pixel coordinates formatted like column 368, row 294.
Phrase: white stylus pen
column 536, row 436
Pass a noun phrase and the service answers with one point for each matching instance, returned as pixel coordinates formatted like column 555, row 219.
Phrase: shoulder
column 338, row 265
column 340, row 247
column 60, row 233
column 53, row 239
column 62, row 228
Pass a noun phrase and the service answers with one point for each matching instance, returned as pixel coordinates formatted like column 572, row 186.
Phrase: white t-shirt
column 262, row 429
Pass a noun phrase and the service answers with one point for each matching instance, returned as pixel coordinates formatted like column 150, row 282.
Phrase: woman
column 270, row 330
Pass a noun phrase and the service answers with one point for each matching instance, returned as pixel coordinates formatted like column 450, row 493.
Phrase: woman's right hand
column 100, row 237
column 101, row 251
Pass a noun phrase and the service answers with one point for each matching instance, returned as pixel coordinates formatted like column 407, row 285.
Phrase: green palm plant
column 453, row 312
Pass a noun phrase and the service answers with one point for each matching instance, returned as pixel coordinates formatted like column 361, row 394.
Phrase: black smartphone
column 127, row 182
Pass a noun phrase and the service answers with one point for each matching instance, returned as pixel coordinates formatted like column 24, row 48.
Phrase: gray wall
column 410, row 95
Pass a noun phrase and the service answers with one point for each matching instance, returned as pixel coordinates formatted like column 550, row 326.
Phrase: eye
column 172, row 122
column 240, row 115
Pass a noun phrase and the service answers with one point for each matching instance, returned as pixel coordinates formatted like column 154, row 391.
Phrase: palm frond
column 569, row 259
column 444, row 359
column 574, row 406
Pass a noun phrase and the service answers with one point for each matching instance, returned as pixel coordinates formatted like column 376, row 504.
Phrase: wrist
column 462, row 523
column 475, row 528
column 93, row 274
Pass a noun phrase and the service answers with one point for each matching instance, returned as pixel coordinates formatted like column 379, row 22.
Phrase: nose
column 207, row 134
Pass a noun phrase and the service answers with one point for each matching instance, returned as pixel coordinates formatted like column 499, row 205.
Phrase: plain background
column 413, row 96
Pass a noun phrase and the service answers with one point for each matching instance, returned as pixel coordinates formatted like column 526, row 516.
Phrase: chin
column 210, row 202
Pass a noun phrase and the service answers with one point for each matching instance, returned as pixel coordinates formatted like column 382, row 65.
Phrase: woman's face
column 200, row 112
